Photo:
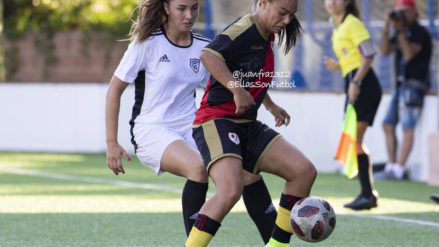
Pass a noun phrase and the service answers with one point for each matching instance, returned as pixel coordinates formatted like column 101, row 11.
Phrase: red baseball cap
column 405, row 3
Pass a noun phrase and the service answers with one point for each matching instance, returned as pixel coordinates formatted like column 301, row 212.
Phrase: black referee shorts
column 220, row 138
column 369, row 99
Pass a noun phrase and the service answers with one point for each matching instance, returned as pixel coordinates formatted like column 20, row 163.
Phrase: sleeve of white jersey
column 134, row 60
column 205, row 80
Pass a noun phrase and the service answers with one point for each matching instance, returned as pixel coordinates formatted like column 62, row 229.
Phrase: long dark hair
column 290, row 34
column 152, row 15
column 352, row 8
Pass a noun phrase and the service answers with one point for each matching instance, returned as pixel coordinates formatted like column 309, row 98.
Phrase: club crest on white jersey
column 195, row 64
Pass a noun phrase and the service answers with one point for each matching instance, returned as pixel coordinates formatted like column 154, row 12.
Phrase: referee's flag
column 347, row 148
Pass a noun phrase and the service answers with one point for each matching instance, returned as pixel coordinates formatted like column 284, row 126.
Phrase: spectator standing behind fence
column 355, row 51
column 412, row 46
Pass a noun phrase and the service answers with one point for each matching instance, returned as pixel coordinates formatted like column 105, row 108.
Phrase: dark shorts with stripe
column 220, row 138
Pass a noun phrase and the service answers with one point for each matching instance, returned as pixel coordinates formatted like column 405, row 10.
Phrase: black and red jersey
column 247, row 51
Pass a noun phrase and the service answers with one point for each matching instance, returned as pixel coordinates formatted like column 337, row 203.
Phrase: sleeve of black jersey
column 223, row 47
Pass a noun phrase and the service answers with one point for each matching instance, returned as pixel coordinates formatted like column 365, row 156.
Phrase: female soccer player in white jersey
column 163, row 62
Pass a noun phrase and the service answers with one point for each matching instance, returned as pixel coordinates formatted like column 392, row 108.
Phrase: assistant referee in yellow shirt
column 355, row 51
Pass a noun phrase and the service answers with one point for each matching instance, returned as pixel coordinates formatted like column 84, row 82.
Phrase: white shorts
column 152, row 142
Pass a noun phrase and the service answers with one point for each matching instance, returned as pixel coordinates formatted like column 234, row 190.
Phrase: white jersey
column 166, row 76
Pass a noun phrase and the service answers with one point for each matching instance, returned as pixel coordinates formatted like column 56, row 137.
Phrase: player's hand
column 353, row 92
column 243, row 100
column 281, row 116
column 114, row 151
column 331, row 64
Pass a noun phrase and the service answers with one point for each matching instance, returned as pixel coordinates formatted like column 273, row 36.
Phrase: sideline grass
column 36, row 211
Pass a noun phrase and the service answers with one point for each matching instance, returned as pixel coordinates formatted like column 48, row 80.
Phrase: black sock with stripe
column 282, row 230
column 260, row 207
column 202, row 232
column 193, row 198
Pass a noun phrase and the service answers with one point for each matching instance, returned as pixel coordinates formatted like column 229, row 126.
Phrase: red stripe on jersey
column 206, row 113
column 268, row 67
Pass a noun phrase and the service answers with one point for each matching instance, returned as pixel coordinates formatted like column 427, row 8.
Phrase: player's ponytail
column 352, row 8
column 290, row 34
column 152, row 15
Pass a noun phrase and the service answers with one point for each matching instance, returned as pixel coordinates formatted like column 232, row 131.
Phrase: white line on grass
column 92, row 180
column 382, row 217
column 172, row 189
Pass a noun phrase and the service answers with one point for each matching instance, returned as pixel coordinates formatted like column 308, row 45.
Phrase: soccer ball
column 312, row 219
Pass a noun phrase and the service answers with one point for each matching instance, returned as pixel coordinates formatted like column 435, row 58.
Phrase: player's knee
column 233, row 195
column 307, row 172
column 197, row 174
column 310, row 171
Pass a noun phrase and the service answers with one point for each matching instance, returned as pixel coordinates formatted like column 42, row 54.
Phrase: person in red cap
column 413, row 47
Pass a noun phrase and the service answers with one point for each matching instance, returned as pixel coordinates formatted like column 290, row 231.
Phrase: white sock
column 388, row 167
column 398, row 171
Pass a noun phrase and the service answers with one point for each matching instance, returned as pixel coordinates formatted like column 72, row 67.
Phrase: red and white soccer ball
column 312, row 219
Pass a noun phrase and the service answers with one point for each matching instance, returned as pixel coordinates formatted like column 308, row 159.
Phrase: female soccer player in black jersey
column 226, row 131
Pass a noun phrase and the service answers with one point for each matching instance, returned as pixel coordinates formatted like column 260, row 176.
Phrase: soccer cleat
column 435, row 198
column 363, row 203
column 274, row 243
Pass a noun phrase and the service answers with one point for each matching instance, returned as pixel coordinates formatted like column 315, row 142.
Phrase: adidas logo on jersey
column 165, row 59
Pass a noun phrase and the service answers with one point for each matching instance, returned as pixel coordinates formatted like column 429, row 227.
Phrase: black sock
column 193, row 198
column 365, row 175
column 282, row 230
column 260, row 207
column 202, row 232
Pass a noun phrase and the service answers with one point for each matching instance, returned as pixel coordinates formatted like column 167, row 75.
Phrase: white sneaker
column 388, row 168
column 398, row 171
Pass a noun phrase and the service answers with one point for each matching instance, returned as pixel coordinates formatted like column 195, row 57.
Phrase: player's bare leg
column 227, row 176
column 183, row 160
column 287, row 162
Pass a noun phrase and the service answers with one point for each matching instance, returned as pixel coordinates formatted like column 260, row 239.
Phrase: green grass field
column 92, row 207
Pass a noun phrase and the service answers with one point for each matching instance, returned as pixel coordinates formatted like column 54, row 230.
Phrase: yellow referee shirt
column 346, row 40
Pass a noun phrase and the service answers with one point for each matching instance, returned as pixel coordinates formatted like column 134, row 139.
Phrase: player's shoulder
column 353, row 20
column 238, row 27
column 159, row 32
column 200, row 38
column 152, row 40
column 242, row 23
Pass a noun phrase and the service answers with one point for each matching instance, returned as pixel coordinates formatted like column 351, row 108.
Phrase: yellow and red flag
column 347, row 148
